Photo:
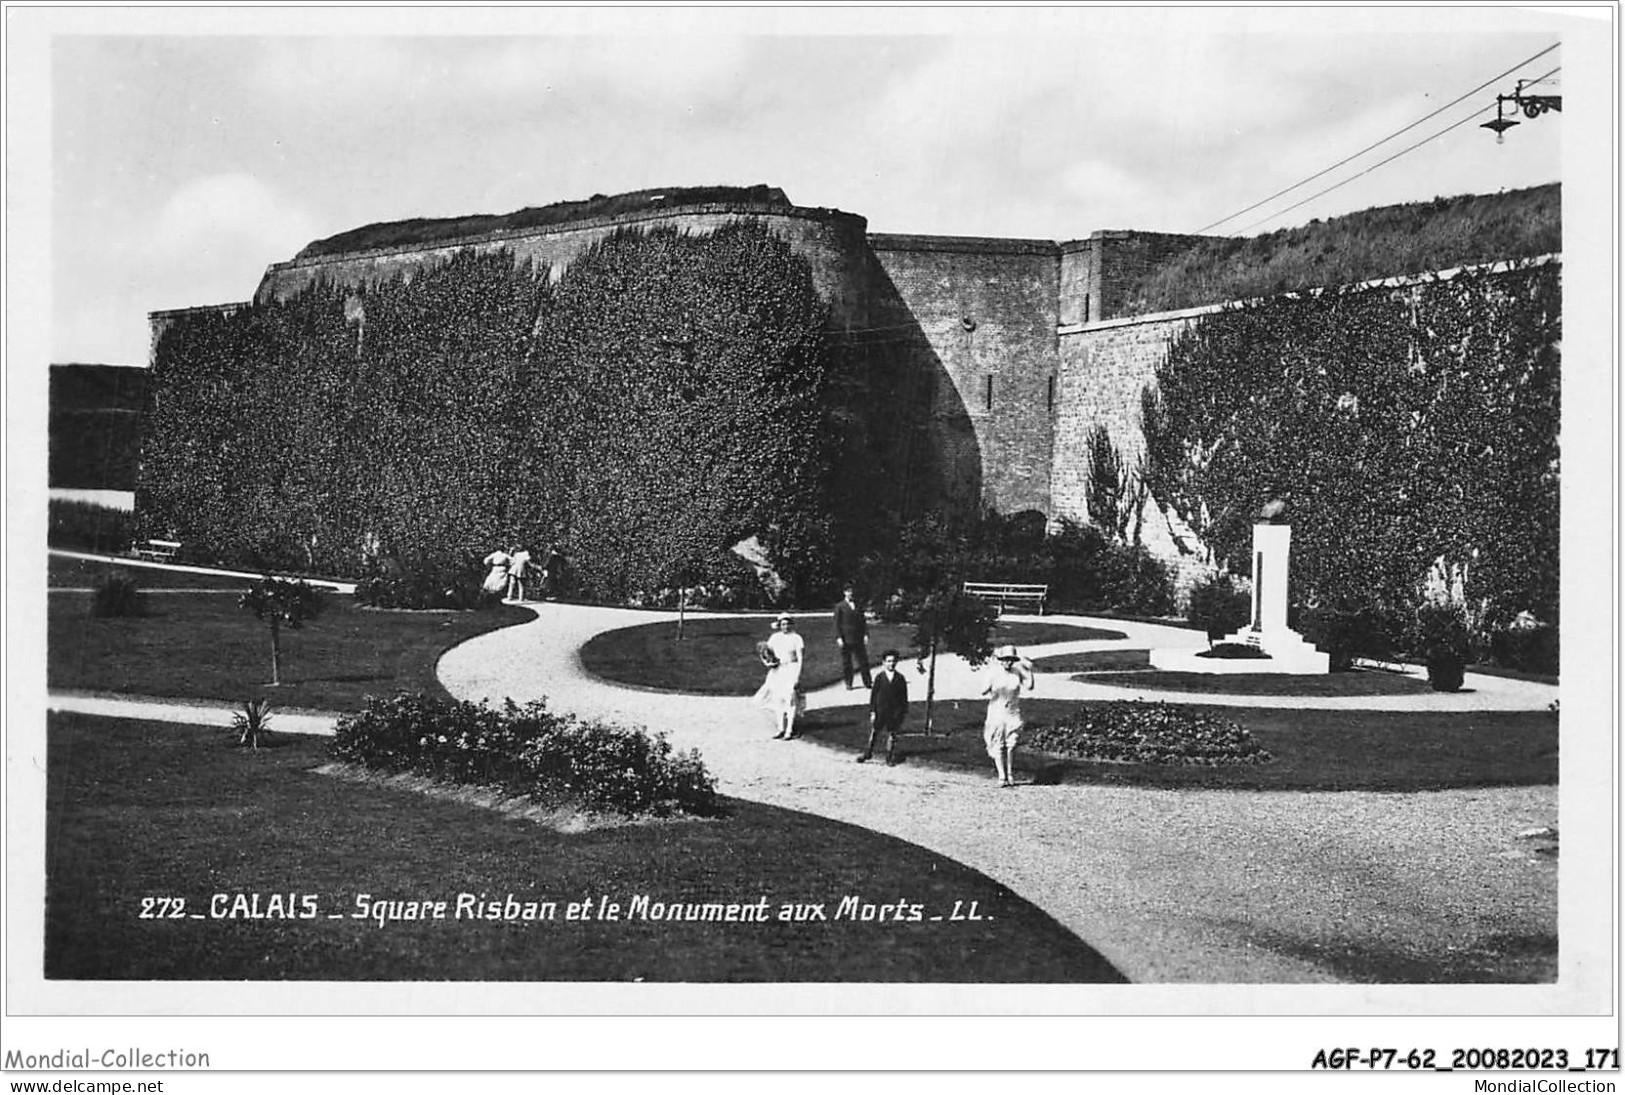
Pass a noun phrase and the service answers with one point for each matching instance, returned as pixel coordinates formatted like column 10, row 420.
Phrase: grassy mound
column 421, row 230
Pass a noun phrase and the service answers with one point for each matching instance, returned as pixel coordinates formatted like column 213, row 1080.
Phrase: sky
column 189, row 150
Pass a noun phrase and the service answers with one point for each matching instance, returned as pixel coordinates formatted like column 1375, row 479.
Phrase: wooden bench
column 1004, row 594
column 159, row 551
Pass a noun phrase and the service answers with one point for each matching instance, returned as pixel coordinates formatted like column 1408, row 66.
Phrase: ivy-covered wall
column 670, row 395
column 1399, row 424
column 602, row 382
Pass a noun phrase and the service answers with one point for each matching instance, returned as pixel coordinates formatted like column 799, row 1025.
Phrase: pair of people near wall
column 508, row 572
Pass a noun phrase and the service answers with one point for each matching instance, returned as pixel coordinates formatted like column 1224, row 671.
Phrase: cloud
column 395, row 74
column 225, row 217
column 647, row 68
column 337, row 71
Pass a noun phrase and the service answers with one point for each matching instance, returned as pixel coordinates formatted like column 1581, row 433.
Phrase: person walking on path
column 852, row 636
column 518, row 564
column 1005, row 679
column 781, row 691
column 888, row 704
column 497, row 580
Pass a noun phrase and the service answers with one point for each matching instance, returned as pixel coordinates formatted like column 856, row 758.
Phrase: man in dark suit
column 888, row 703
column 852, row 636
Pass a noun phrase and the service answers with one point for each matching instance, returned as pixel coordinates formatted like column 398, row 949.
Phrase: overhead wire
column 1380, row 163
column 1385, row 140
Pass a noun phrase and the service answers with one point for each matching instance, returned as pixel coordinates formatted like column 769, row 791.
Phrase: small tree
column 1116, row 496
column 926, row 570
column 281, row 603
column 947, row 619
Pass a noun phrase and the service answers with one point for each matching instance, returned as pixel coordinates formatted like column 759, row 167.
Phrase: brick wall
column 1098, row 273
column 982, row 313
column 1103, row 369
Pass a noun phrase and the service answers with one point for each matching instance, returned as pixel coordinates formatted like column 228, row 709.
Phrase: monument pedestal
column 1288, row 651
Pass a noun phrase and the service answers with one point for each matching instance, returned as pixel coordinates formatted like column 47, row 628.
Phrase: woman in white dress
column 1005, row 678
column 497, row 580
column 781, row 691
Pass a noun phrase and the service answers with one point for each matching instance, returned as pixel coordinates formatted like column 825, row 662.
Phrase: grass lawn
column 717, row 656
column 1355, row 682
column 202, row 646
column 84, row 574
column 1313, row 750
column 141, row 810
column 1094, row 661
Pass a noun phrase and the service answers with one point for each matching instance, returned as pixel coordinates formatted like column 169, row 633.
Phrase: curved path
column 1197, row 886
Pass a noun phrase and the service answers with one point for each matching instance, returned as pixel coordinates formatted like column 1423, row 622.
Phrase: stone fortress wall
column 1014, row 348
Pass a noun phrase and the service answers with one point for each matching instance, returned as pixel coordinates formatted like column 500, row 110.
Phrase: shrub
column 1446, row 670
column 1086, row 570
column 527, row 750
column 252, row 723
column 1137, row 582
column 1219, row 607
column 422, row 590
column 1445, row 643
column 1442, row 627
column 1527, row 649
column 1234, row 651
column 117, row 594
column 85, row 526
column 1345, row 634
column 720, row 580
column 1148, row 733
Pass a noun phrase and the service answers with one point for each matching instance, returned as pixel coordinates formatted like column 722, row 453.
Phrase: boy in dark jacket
column 888, row 703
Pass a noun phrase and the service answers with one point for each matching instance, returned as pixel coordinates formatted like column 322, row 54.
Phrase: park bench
column 159, row 551
column 1003, row 594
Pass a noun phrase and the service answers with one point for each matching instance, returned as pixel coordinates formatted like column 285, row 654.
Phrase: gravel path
column 1171, row 886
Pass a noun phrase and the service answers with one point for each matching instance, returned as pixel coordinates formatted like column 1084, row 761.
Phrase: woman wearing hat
column 781, row 691
column 1004, row 680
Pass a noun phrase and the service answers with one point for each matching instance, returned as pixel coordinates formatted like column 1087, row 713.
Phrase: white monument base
column 1288, row 652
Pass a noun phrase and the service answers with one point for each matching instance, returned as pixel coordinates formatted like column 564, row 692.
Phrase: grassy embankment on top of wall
column 422, row 230
column 1389, row 241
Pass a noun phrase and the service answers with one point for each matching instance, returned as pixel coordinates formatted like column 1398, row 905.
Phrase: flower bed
column 1138, row 732
column 527, row 750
